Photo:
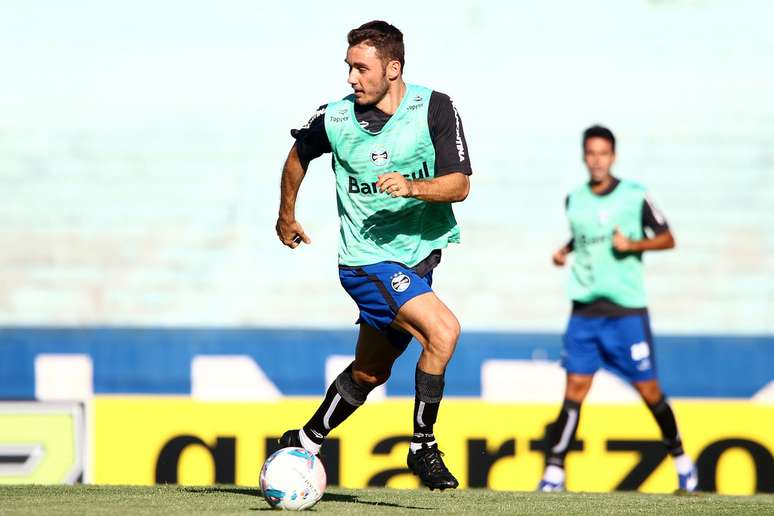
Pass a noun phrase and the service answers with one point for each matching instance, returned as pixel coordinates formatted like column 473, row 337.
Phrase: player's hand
column 291, row 233
column 560, row 257
column 394, row 184
column 620, row 242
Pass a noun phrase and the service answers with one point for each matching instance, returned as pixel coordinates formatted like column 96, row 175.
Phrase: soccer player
column 612, row 222
column 400, row 159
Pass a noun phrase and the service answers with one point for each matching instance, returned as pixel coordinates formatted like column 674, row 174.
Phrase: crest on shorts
column 400, row 282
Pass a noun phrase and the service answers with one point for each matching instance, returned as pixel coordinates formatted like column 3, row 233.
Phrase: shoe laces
column 432, row 459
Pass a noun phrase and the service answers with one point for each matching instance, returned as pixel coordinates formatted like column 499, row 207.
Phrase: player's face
column 367, row 74
column 599, row 157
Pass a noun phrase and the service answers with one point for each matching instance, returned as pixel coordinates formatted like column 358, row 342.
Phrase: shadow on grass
column 333, row 497
column 224, row 489
column 327, row 497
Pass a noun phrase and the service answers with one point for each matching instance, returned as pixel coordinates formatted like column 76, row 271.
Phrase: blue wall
column 157, row 361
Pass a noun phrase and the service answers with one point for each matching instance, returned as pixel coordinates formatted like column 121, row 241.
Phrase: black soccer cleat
column 290, row 439
column 428, row 465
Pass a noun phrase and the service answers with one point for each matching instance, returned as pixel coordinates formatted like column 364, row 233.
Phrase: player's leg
column 581, row 359
column 374, row 356
column 428, row 319
column 658, row 405
column 651, row 394
column 561, row 433
column 377, row 348
column 636, row 361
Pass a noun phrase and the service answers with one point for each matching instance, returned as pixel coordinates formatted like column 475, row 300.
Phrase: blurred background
column 141, row 146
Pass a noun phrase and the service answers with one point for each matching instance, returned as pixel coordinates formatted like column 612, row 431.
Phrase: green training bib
column 599, row 271
column 375, row 227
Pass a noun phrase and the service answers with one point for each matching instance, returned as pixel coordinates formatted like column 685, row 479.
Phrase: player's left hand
column 394, row 184
column 620, row 242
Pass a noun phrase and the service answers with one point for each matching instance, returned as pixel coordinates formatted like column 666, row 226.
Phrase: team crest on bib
column 380, row 157
column 400, row 282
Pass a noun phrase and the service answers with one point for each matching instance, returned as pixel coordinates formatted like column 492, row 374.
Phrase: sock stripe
column 329, row 412
column 420, row 411
column 564, row 442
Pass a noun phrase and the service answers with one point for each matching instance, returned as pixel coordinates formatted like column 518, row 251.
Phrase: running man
column 400, row 159
column 610, row 220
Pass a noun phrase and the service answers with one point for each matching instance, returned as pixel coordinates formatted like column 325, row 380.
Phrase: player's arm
column 451, row 182
column 311, row 142
column 560, row 255
column 452, row 187
column 660, row 242
column 447, row 188
column 652, row 220
column 288, row 229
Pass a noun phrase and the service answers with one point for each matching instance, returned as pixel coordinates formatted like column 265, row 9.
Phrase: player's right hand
column 560, row 257
column 291, row 233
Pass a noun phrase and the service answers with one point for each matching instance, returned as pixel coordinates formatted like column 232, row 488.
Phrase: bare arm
column 660, row 242
column 560, row 255
column 452, row 187
column 288, row 229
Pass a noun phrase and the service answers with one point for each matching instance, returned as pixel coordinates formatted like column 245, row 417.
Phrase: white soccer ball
column 292, row 479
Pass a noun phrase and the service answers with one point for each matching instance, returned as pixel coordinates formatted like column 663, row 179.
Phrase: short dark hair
column 598, row 131
column 385, row 38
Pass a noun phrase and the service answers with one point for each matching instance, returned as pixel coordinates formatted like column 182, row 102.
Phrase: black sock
column 429, row 391
column 344, row 396
column 668, row 425
column 562, row 433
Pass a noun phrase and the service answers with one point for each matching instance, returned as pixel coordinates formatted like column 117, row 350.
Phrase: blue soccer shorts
column 379, row 290
column 622, row 344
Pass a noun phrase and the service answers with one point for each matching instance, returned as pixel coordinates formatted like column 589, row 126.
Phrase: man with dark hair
column 400, row 159
column 387, row 39
column 598, row 131
column 610, row 220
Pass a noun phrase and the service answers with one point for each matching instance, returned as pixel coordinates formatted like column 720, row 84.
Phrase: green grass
column 237, row 500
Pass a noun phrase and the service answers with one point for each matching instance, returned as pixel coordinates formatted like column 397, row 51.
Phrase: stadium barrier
column 147, row 440
column 42, row 443
column 266, row 363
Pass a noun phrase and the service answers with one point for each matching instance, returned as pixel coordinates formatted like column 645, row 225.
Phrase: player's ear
column 393, row 69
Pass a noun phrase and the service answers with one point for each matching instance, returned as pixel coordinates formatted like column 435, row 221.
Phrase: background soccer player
column 609, row 324
column 400, row 160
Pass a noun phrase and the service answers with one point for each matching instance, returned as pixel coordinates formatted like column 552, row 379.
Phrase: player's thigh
column 628, row 348
column 375, row 352
column 380, row 290
column 580, row 351
column 428, row 319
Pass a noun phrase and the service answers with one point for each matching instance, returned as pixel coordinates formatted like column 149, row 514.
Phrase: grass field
column 237, row 500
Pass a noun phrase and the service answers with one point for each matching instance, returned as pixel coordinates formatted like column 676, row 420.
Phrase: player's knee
column 650, row 392
column 443, row 340
column 577, row 387
column 450, row 332
column 371, row 378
